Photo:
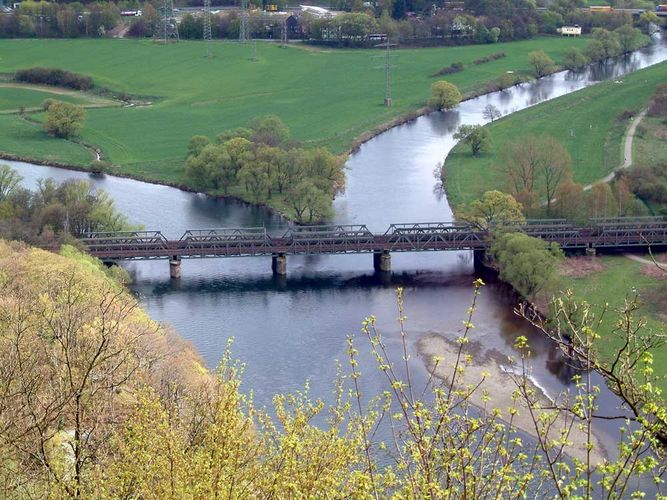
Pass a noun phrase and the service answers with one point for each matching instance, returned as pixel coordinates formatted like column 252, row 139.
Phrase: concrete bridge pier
column 382, row 261
column 175, row 267
column 279, row 264
column 590, row 251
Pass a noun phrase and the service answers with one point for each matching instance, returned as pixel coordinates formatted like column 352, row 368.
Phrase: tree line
column 404, row 21
column 262, row 164
column 54, row 213
column 100, row 401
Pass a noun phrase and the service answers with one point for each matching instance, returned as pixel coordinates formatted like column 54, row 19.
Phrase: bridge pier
column 382, row 261
column 590, row 252
column 279, row 264
column 479, row 260
column 175, row 267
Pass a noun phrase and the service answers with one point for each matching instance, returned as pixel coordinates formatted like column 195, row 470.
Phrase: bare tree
column 491, row 112
column 535, row 166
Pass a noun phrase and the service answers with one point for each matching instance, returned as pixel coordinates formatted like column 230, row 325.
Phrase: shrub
column 489, row 58
column 54, row 76
column 46, row 103
column 64, row 119
column 448, row 70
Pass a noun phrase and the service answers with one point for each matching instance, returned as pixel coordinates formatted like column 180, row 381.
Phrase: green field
column 616, row 282
column 12, row 98
column 585, row 122
column 326, row 97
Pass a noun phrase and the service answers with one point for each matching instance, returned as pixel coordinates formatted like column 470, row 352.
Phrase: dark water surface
column 291, row 330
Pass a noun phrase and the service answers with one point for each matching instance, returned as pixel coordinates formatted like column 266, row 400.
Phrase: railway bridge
column 598, row 234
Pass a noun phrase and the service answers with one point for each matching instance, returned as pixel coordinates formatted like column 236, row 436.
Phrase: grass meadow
column 585, row 122
column 326, row 97
column 619, row 279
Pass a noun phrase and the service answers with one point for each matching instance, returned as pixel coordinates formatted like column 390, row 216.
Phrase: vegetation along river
column 291, row 330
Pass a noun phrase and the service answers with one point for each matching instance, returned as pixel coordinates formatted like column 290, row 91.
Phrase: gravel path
column 627, row 150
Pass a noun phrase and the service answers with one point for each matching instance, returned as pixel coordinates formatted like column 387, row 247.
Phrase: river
column 288, row 331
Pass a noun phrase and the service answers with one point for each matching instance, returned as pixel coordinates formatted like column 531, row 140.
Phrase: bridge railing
column 203, row 242
column 338, row 238
column 126, row 243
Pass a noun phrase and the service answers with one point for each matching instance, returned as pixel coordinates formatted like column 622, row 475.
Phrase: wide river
column 289, row 331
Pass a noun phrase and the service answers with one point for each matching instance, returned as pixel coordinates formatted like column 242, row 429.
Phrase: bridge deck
column 337, row 239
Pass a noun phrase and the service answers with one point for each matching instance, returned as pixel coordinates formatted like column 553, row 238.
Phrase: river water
column 289, row 331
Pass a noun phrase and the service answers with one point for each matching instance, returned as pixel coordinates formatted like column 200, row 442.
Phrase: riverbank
column 590, row 123
column 496, row 390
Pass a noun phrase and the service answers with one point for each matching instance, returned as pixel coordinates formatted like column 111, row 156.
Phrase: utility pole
column 283, row 33
column 207, row 27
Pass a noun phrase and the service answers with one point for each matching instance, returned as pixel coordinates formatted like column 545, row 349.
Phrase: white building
column 571, row 30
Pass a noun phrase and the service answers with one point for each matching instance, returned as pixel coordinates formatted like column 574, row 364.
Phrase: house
column 571, row 30
column 293, row 26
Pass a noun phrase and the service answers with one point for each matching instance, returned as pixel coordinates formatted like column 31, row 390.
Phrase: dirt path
column 637, row 258
column 627, row 151
column 94, row 100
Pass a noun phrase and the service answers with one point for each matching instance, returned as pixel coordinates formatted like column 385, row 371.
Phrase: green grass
column 326, row 97
column 612, row 285
column 585, row 122
column 28, row 140
column 12, row 98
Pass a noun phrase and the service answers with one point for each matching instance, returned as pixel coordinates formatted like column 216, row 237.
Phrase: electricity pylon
column 387, row 66
column 168, row 29
column 243, row 31
column 207, row 27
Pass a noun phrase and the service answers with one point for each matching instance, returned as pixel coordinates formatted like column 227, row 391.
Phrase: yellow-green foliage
column 96, row 401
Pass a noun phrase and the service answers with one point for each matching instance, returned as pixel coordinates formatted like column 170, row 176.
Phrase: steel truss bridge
column 617, row 233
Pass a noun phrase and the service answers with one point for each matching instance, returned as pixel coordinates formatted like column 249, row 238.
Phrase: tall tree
column 9, row 181
column 444, row 95
column 64, row 119
column 542, row 64
column 476, row 136
column 494, row 209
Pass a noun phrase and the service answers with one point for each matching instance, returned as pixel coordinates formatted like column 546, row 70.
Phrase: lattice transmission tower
column 207, row 27
column 244, row 36
column 387, row 66
column 168, row 28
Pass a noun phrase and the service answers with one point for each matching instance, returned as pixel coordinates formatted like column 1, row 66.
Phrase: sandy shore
column 499, row 386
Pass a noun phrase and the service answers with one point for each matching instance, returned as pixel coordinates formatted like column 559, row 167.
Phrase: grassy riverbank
column 326, row 97
column 614, row 279
column 586, row 122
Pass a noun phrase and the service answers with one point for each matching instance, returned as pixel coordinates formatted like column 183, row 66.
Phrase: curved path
column 627, row 151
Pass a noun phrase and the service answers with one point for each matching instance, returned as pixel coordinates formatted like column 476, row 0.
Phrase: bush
column 54, row 76
column 658, row 106
column 493, row 57
column 448, row 70
column 46, row 103
column 64, row 119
